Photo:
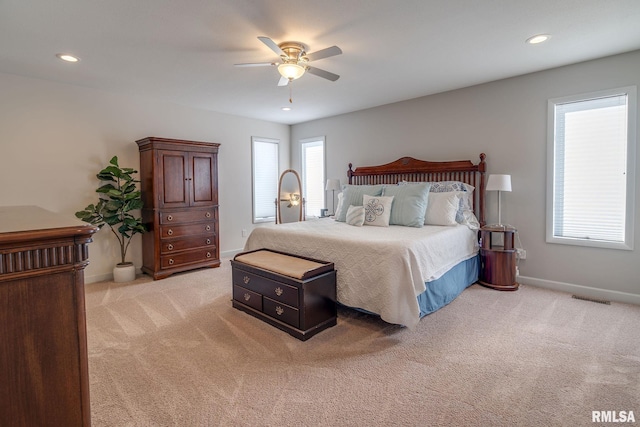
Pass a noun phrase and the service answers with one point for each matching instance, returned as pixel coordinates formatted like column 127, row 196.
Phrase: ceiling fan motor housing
column 295, row 51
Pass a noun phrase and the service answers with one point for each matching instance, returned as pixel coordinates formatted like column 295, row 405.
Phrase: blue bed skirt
column 442, row 291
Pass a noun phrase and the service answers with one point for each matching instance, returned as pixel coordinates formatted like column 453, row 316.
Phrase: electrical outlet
column 522, row 254
column 244, row 233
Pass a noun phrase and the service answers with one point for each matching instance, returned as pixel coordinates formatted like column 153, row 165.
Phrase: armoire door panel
column 203, row 171
column 174, row 179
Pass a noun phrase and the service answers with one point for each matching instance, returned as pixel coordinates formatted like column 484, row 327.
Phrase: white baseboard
column 230, row 254
column 104, row 277
column 586, row 291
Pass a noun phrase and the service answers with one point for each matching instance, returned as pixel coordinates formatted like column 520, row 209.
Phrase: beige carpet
column 175, row 353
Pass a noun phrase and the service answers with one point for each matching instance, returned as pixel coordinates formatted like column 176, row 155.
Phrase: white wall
column 507, row 120
column 54, row 138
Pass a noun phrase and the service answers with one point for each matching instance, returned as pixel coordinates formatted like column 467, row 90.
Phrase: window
column 313, row 175
column 591, row 166
column 265, row 178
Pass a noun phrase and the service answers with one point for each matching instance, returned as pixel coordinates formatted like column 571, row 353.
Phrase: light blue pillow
column 409, row 203
column 352, row 195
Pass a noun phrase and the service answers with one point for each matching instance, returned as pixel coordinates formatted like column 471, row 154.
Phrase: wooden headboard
column 413, row 170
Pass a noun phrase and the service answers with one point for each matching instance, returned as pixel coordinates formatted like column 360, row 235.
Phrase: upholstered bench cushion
column 287, row 265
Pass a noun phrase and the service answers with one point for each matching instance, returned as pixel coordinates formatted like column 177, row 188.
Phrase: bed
column 402, row 270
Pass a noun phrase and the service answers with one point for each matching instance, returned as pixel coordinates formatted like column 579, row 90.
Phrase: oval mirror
column 290, row 203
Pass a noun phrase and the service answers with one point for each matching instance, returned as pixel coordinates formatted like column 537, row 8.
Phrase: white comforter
column 379, row 269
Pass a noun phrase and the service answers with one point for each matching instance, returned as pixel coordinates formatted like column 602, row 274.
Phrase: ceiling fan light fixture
column 291, row 71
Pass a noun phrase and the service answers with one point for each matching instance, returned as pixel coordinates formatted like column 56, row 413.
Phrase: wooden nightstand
column 498, row 263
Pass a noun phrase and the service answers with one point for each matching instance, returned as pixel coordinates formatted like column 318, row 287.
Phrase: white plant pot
column 124, row 272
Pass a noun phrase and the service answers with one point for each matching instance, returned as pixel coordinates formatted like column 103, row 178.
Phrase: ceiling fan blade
column 255, row 64
column 273, row 46
column 324, row 53
column 283, row 81
column 322, row 73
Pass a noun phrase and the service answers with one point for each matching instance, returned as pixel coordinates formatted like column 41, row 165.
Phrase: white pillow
column 442, row 208
column 377, row 210
column 355, row 215
column 336, row 214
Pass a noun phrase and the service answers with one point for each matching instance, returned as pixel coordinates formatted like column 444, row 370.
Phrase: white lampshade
column 291, row 71
column 499, row 183
column 333, row 184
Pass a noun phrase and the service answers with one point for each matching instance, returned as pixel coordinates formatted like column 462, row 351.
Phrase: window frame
column 632, row 115
column 258, row 140
column 322, row 141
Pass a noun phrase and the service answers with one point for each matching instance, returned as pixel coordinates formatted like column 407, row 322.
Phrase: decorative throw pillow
column 377, row 210
column 442, row 208
column 355, row 215
column 409, row 203
column 352, row 195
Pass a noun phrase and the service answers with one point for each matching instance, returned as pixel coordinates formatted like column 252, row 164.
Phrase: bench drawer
column 267, row 287
column 247, row 297
column 282, row 312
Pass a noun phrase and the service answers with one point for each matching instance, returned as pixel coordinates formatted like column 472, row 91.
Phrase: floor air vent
column 599, row 301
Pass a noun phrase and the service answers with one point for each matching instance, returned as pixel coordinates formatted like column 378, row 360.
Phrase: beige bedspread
column 379, row 269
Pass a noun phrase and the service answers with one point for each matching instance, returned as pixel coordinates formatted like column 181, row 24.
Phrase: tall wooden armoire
column 179, row 183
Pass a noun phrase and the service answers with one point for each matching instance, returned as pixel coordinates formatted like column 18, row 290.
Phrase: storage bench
column 293, row 293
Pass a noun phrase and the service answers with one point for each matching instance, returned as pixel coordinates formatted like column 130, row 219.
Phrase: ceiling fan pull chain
column 290, row 93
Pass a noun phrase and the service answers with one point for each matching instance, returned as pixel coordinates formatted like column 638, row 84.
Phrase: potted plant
column 119, row 196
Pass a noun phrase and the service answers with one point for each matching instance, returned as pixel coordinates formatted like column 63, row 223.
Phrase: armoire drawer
column 188, row 257
column 187, row 230
column 187, row 216
column 169, row 246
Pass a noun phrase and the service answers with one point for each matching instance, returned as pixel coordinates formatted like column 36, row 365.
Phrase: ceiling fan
column 295, row 59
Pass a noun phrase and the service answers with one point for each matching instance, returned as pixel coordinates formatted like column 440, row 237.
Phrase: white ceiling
column 183, row 51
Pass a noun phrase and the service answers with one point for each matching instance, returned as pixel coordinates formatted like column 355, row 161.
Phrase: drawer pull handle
column 278, row 291
column 170, row 261
column 208, row 254
column 208, row 214
column 279, row 310
column 247, row 297
column 170, row 218
column 170, row 232
column 208, row 227
column 246, row 279
column 170, row 246
column 208, row 241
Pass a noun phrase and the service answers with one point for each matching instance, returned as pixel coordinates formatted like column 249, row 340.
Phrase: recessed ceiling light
column 286, row 108
column 540, row 38
column 67, row 57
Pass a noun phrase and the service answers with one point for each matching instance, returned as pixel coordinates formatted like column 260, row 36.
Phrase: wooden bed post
column 482, row 167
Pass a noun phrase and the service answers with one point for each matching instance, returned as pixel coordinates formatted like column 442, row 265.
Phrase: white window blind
column 591, row 172
column 265, row 178
column 313, row 176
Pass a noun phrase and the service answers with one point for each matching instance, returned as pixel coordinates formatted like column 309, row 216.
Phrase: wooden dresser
column 43, row 342
column 179, row 183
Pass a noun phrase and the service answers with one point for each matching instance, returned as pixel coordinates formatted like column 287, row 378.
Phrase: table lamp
column 499, row 183
column 333, row 185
